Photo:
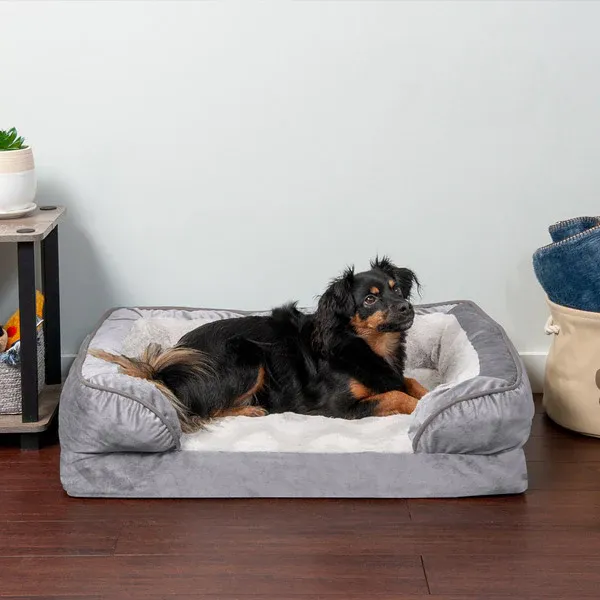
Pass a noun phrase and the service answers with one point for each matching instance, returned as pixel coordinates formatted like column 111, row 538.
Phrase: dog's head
column 372, row 302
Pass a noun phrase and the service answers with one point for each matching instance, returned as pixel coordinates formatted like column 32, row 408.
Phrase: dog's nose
column 404, row 308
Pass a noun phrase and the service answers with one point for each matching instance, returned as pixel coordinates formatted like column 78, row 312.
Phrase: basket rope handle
column 551, row 328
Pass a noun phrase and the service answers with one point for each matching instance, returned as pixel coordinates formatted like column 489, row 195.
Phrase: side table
column 38, row 410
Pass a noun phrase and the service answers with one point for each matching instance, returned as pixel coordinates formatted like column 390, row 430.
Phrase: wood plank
column 402, row 539
column 518, row 574
column 48, row 405
column 41, row 221
column 563, row 449
column 53, row 538
column 86, row 597
column 542, row 509
column 223, row 574
column 55, row 504
column 544, row 425
column 30, row 471
column 127, row 595
column 294, row 595
column 281, row 537
column 13, row 455
column 34, row 474
column 564, row 476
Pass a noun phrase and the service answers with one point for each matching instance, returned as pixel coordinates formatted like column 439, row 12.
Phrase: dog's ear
column 405, row 277
column 335, row 308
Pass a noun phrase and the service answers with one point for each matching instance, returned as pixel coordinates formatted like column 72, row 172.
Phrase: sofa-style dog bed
column 120, row 436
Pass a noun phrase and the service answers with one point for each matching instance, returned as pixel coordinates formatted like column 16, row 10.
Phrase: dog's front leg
column 414, row 388
column 392, row 403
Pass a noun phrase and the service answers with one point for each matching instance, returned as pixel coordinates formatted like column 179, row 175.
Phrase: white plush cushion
column 438, row 353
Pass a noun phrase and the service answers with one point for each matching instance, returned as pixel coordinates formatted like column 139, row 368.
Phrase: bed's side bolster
column 483, row 415
column 487, row 414
column 98, row 416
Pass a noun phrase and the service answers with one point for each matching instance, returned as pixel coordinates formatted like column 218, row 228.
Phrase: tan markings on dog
column 414, row 388
column 393, row 403
column 386, row 344
column 391, row 283
column 371, row 322
column 246, row 397
column 383, row 343
column 241, row 411
column 154, row 359
column 374, row 290
column 128, row 366
column 358, row 390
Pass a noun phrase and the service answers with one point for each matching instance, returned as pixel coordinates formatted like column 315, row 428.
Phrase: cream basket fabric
column 572, row 379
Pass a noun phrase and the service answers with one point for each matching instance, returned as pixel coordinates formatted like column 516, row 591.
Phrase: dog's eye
column 398, row 290
column 370, row 299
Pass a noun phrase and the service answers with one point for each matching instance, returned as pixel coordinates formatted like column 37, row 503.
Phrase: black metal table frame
column 28, row 323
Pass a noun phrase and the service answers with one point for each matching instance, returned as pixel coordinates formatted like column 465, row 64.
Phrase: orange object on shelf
column 13, row 325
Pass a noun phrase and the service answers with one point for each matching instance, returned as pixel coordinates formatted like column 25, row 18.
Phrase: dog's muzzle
column 401, row 317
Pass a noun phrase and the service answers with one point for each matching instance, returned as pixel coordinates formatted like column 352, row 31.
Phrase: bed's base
column 188, row 474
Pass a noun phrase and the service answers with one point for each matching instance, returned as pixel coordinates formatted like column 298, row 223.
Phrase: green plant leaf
column 11, row 140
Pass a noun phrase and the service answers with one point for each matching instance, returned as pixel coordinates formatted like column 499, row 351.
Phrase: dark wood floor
column 544, row 544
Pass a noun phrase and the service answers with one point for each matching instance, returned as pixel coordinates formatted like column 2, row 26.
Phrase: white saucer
column 19, row 212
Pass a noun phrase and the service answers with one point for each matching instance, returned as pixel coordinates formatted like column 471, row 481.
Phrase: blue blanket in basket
column 568, row 269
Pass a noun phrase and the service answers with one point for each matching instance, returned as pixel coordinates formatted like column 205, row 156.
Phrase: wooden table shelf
column 41, row 227
column 47, row 405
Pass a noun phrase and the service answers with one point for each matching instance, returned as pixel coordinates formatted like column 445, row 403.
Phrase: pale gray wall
column 240, row 154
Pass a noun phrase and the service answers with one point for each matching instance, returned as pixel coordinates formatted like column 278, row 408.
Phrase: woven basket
column 10, row 381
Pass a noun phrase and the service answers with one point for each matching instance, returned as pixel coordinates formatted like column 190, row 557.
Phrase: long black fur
column 310, row 360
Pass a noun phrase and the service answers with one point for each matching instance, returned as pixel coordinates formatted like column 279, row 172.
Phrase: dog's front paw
column 255, row 411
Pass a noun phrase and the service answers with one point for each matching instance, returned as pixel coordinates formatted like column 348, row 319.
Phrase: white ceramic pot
column 18, row 182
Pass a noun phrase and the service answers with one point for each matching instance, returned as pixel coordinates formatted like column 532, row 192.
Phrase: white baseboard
column 535, row 364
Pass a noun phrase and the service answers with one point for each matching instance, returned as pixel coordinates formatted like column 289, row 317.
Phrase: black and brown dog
column 346, row 360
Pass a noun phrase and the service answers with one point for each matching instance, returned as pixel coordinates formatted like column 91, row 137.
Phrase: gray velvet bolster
column 121, row 414
column 470, row 421
column 487, row 414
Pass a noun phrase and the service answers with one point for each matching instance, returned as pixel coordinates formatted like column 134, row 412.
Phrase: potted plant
column 18, row 181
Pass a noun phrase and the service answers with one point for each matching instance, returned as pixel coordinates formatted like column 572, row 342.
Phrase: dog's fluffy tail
column 168, row 369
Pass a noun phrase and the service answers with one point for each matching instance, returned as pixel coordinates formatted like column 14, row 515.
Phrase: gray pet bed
column 121, row 437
